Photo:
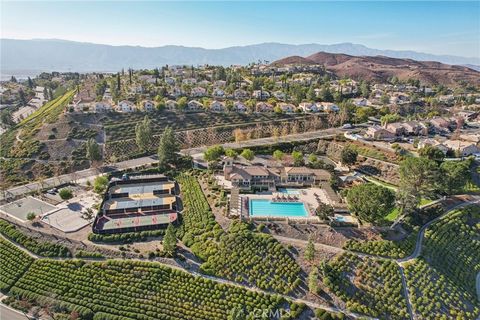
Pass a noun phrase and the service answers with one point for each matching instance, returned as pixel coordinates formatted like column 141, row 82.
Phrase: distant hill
column 61, row 55
column 381, row 68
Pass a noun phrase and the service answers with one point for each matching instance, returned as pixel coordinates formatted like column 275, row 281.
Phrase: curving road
column 418, row 245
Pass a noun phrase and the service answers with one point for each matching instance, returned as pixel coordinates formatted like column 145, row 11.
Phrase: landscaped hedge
column 13, row 263
column 367, row 285
column 127, row 237
column 42, row 248
column 134, row 290
column 442, row 282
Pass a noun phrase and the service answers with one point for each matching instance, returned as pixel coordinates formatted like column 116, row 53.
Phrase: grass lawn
column 381, row 183
column 392, row 216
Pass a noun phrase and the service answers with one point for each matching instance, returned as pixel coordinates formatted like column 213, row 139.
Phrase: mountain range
column 62, row 55
column 382, row 68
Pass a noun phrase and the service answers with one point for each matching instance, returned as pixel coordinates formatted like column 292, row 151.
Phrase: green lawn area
column 392, row 215
column 395, row 211
column 381, row 183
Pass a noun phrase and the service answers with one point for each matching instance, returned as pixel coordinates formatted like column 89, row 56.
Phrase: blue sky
column 435, row 26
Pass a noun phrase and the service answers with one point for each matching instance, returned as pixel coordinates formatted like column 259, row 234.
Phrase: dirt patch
column 61, row 149
column 383, row 170
column 319, row 233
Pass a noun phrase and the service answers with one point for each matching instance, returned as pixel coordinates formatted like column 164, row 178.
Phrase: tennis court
column 21, row 208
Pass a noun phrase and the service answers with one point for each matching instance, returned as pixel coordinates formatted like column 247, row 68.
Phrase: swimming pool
column 266, row 208
column 289, row 191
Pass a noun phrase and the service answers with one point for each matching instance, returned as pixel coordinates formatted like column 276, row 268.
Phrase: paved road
column 418, row 245
column 89, row 174
column 7, row 313
column 478, row 286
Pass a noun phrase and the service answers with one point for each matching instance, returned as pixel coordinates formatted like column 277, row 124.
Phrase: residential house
column 440, row 124
column 198, row 92
column 415, row 128
column 147, row 105
column 125, row 106
column 217, row 106
column 468, row 115
column 464, row 148
column 240, row 94
column 263, row 107
column 220, row 83
column 472, row 137
column 170, row 81
column 286, row 107
column 261, row 94
column 396, row 128
column 308, row 107
column 399, row 98
column 176, row 92
column 103, row 106
column 280, row 95
column 448, row 99
column 257, row 176
column 218, row 93
column 239, row 106
column 189, row 81
column 330, row 107
column 137, row 89
column 204, row 83
column 360, row 102
column 194, row 105
column 379, row 133
column 171, row 105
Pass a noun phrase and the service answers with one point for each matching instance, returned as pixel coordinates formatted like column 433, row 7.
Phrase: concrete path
column 478, row 286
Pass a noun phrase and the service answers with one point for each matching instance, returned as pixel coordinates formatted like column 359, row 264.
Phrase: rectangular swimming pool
column 266, row 208
column 295, row 192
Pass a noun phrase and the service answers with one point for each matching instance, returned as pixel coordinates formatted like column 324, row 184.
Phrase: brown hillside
column 380, row 68
column 293, row 60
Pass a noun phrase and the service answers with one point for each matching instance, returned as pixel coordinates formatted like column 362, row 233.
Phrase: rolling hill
column 381, row 68
column 61, row 55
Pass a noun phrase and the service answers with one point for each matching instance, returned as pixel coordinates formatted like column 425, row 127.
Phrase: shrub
column 65, row 194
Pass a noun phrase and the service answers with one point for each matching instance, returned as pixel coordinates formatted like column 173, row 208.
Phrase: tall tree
column 30, row 83
column 169, row 240
column 313, row 280
column 167, row 148
column 309, row 254
column 349, row 155
column 118, row 82
column 213, row 153
column 94, row 152
column 418, row 178
column 143, row 134
column 455, row 175
column 370, row 202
